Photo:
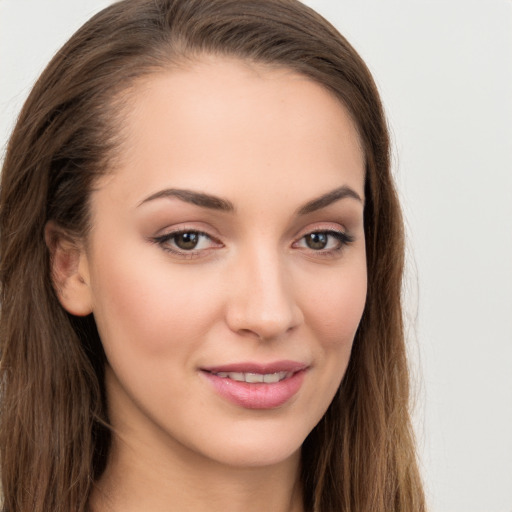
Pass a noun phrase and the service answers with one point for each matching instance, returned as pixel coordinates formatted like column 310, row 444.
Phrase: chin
column 256, row 445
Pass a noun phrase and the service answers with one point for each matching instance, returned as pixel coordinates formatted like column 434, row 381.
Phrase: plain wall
column 445, row 73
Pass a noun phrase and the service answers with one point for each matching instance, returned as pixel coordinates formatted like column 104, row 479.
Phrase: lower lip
column 257, row 395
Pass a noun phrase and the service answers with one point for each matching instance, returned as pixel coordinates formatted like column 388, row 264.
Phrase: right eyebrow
column 190, row 196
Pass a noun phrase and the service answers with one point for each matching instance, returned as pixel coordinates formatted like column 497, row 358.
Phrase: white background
column 444, row 69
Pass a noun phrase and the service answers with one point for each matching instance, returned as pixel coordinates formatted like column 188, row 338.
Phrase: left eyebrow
column 328, row 198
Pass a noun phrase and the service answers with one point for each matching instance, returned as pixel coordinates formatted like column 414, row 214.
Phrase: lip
column 257, row 395
column 252, row 367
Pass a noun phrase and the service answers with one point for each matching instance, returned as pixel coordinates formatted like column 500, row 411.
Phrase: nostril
column 265, row 327
column 249, row 333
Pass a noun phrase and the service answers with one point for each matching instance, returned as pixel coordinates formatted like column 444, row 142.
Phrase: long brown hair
column 54, row 435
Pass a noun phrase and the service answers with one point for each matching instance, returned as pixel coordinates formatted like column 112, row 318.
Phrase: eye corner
column 323, row 241
column 187, row 243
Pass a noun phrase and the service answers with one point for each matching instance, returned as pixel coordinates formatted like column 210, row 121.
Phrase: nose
column 262, row 303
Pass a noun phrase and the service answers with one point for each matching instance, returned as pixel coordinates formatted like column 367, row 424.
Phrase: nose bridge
column 262, row 302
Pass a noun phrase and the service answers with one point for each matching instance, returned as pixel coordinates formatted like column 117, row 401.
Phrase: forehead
column 219, row 121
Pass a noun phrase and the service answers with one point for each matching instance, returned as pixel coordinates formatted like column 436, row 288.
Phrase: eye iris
column 186, row 241
column 316, row 241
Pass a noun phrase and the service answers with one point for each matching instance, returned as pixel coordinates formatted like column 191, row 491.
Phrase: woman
column 201, row 271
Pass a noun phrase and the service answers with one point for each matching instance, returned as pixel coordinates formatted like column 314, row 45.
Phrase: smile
column 257, row 386
column 253, row 378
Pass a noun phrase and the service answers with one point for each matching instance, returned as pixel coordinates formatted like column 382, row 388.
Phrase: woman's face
column 226, row 262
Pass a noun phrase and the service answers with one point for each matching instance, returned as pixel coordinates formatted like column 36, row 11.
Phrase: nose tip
column 265, row 327
column 263, row 305
column 264, row 321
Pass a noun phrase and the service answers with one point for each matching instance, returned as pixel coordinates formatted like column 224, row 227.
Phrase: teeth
column 276, row 377
column 251, row 378
column 254, row 377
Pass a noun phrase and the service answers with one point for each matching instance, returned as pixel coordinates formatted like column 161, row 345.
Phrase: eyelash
column 165, row 240
column 343, row 239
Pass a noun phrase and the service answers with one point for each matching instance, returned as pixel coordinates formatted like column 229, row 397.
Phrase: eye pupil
column 186, row 241
column 317, row 241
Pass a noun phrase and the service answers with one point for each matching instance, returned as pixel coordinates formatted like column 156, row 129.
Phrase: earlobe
column 69, row 271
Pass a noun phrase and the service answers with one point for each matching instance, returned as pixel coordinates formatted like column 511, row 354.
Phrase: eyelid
column 335, row 230
column 318, row 227
column 331, row 229
column 164, row 239
column 337, row 233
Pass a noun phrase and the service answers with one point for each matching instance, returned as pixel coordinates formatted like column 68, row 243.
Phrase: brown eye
column 186, row 241
column 324, row 242
column 316, row 241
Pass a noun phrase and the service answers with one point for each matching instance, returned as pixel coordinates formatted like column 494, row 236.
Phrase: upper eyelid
column 332, row 232
column 321, row 227
column 170, row 234
column 164, row 242
column 184, row 227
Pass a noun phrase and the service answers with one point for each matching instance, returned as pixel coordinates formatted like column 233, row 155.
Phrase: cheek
column 336, row 306
column 333, row 312
column 148, row 309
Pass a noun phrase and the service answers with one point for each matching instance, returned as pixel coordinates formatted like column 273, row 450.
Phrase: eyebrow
column 198, row 198
column 328, row 198
column 216, row 203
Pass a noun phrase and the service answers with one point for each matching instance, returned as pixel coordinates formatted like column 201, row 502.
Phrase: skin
column 268, row 141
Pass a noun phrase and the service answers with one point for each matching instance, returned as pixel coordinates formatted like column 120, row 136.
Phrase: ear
column 69, row 270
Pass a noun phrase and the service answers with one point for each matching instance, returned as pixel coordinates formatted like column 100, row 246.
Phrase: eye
column 186, row 242
column 328, row 241
column 317, row 241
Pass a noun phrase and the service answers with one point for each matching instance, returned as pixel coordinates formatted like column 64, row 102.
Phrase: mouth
column 255, row 386
column 254, row 378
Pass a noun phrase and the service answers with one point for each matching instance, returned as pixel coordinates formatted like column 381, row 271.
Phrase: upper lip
column 261, row 368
